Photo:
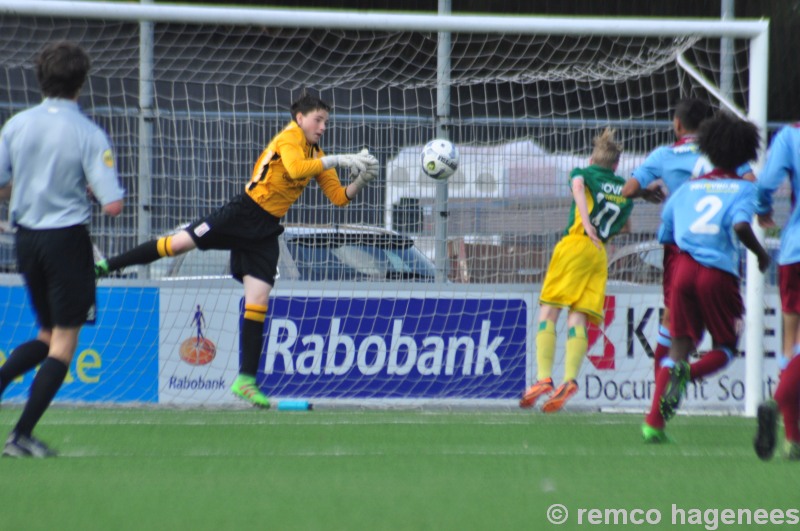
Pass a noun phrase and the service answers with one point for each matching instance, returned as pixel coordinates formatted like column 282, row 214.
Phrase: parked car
column 323, row 253
column 642, row 263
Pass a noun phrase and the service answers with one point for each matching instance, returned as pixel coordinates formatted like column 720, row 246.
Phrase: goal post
column 190, row 95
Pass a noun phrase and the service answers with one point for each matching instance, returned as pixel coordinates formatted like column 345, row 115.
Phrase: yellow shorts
column 576, row 277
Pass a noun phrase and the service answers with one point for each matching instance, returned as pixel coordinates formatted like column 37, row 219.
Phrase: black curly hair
column 728, row 141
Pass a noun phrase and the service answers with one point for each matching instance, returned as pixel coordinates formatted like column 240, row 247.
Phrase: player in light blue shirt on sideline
column 783, row 161
column 51, row 156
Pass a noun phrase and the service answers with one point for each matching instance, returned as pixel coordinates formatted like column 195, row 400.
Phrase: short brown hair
column 61, row 68
column 308, row 103
column 606, row 151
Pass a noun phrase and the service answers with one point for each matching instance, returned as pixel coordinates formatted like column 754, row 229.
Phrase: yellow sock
column 545, row 349
column 577, row 345
column 164, row 246
column 255, row 312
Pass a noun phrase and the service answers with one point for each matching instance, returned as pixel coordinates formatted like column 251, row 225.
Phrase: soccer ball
column 439, row 159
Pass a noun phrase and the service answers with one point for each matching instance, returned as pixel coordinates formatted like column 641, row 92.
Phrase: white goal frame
column 756, row 31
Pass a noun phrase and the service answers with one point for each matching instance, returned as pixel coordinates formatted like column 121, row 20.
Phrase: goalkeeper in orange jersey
column 576, row 276
column 249, row 224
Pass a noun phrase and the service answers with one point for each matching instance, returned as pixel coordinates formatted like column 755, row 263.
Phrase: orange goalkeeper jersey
column 286, row 167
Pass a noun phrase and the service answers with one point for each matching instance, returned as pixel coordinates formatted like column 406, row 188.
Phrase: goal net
column 191, row 98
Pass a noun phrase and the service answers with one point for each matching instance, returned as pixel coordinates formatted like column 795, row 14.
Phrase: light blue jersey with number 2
column 699, row 217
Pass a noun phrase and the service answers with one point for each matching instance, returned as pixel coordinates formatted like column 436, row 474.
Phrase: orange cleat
column 533, row 393
column 562, row 394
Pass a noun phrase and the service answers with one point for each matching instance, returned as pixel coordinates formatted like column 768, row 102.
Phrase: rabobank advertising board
column 448, row 344
column 335, row 344
column 396, row 347
column 178, row 343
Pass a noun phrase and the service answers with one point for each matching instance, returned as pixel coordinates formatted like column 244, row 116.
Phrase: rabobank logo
column 416, row 347
column 398, row 354
column 198, row 349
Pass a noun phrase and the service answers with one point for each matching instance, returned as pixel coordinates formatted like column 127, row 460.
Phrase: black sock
column 251, row 341
column 141, row 254
column 44, row 387
column 22, row 359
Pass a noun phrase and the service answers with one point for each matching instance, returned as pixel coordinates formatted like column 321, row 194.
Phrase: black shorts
column 58, row 268
column 248, row 231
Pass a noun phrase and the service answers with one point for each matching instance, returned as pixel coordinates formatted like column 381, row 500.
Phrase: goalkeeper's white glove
column 370, row 171
column 356, row 163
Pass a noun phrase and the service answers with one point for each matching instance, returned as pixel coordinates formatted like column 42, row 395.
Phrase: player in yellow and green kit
column 577, row 274
column 249, row 224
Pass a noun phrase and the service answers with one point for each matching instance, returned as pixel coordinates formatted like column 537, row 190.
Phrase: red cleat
column 564, row 392
column 533, row 393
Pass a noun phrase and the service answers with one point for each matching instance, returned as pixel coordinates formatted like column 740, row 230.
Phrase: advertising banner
column 348, row 345
column 619, row 372
column 397, row 347
column 199, row 345
column 117, row 357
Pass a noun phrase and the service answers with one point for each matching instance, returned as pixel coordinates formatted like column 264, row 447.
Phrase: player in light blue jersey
column 49, row 156
column 674, row 164
column 701, row 218
column 671, row 166
column 783, row 161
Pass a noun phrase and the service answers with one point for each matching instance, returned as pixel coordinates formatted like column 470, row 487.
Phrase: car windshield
column 358, row 257
column 322, row 256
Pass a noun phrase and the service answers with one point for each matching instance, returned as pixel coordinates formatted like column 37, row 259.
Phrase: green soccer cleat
column 101, row 268
column 791, row 451
column 653, row 435
column 671, row 399
column 245, row 388
column 766, row 434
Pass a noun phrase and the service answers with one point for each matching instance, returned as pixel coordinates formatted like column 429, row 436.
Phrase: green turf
column 372, row 470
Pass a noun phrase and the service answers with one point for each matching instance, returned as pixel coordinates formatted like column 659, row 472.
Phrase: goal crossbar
column 340, row 19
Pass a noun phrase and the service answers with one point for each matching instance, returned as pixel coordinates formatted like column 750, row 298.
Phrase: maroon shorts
column 704, row 298
column 789, row 282
column 670, row 252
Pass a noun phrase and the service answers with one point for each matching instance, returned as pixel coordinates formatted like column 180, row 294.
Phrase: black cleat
column 765, row 440
column 24, row 446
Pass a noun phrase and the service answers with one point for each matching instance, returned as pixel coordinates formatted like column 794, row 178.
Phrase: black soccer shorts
column 58, row 268
column 248, row 231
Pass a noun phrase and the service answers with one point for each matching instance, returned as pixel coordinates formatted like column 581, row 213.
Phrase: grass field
column 373, row 470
